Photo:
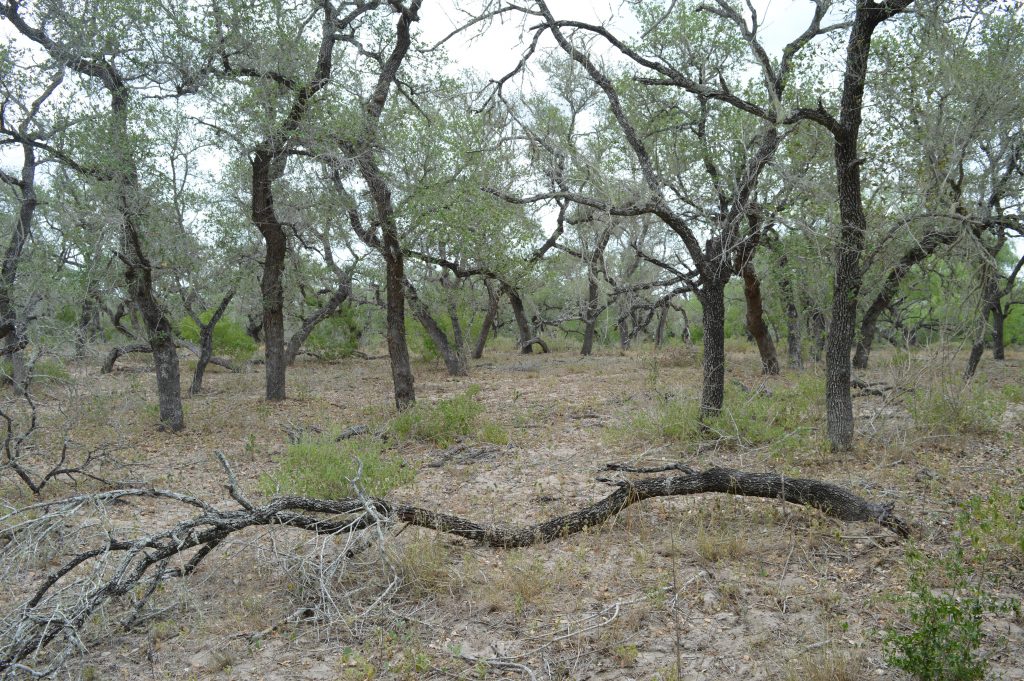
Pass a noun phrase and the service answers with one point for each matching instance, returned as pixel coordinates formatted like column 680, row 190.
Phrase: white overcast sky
column 498, row 50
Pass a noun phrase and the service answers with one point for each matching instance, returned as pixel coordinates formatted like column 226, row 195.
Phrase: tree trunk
column 916, row 254
column 206, row 342
column 139, row 275
column 794, row 344
column 485, row 328
column 452, row 351
column 309, row 323
column 850, row 245
column 659, row 332
column 522, row 324
column 755, row 321
column 266, row 167
column 9, row 270
column 712, row 300
column 998, row 331
column 989, row 302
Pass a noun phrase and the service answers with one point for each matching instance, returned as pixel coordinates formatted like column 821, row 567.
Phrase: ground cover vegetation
column 681, row 346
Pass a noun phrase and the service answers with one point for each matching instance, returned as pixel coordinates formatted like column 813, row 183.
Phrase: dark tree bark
column 9, row 317
column 659, row 331
column 130, row 201
column 998, row 332
column 267, row 166
column 380, row 193
column 452, row 349
column 989, row 301
column 522, row 323
column 593, row 309
column 712, row 300
column 794, row 343
column 755, row 321
column 309, row 323
column 850, row 243
column 489, row 317
column 916, row 254
column 206, row 342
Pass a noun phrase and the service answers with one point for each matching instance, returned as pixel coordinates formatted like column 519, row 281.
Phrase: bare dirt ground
column 703, row 587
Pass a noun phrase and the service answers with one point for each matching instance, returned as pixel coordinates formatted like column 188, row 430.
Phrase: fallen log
column 60, row 606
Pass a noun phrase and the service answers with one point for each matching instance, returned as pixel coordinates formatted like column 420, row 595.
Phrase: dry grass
column 732, row 588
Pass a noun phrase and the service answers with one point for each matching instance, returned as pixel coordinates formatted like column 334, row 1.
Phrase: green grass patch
column 327, row 469
column 446, row 421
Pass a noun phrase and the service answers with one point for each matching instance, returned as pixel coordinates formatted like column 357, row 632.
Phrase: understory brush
column 330, row 469
column 448, row 420
column 948, row 599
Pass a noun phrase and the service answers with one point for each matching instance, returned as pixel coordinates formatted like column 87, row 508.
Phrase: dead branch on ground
column 115, row 566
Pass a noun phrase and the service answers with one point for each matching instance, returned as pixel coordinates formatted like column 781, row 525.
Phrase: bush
column 336, row 337
column 945, row 626
column 229, row 338
column 445, row 421
column 327, row 469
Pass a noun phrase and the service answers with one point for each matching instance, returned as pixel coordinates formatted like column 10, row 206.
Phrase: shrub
column 445, row 421
column 328, row 469
column 945, row 626
column 337, row 336
column 229, row 338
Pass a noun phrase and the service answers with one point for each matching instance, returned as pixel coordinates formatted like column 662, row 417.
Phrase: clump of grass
column 327, row 469
column 424, row 566
column 445, row 421
column 952, row 406
column 713, row 544
column 830, row 664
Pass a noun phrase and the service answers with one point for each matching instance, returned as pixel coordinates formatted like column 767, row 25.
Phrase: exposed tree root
column 63, row 603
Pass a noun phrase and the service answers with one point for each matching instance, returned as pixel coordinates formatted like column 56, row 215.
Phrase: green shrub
column 992, row 527
column 336, row 337
column 229, row 338
column 447, row 420
column 943, row 641
column 327, row 469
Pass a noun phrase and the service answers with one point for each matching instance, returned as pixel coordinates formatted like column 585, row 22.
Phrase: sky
column 498, row 51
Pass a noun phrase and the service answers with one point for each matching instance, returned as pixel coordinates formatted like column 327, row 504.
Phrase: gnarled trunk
column 266, row 167
column 755, row 321
column 298, row 338
column 492, row 313
column 522, row 323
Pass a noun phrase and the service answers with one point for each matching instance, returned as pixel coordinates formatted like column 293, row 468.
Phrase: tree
column 102, row 62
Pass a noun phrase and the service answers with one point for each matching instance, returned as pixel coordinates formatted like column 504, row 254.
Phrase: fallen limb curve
column 58, row 609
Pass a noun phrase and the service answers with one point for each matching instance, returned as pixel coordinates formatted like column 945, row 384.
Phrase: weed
column 993, row 527
column 424, row 566
column 830, row 664
column 950, row 406
column 625, row 655
column 445, row 421
column 714, row 545
column 944, row 638
column 328, row 469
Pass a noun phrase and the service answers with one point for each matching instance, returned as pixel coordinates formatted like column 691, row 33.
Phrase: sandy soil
column 718, row 587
